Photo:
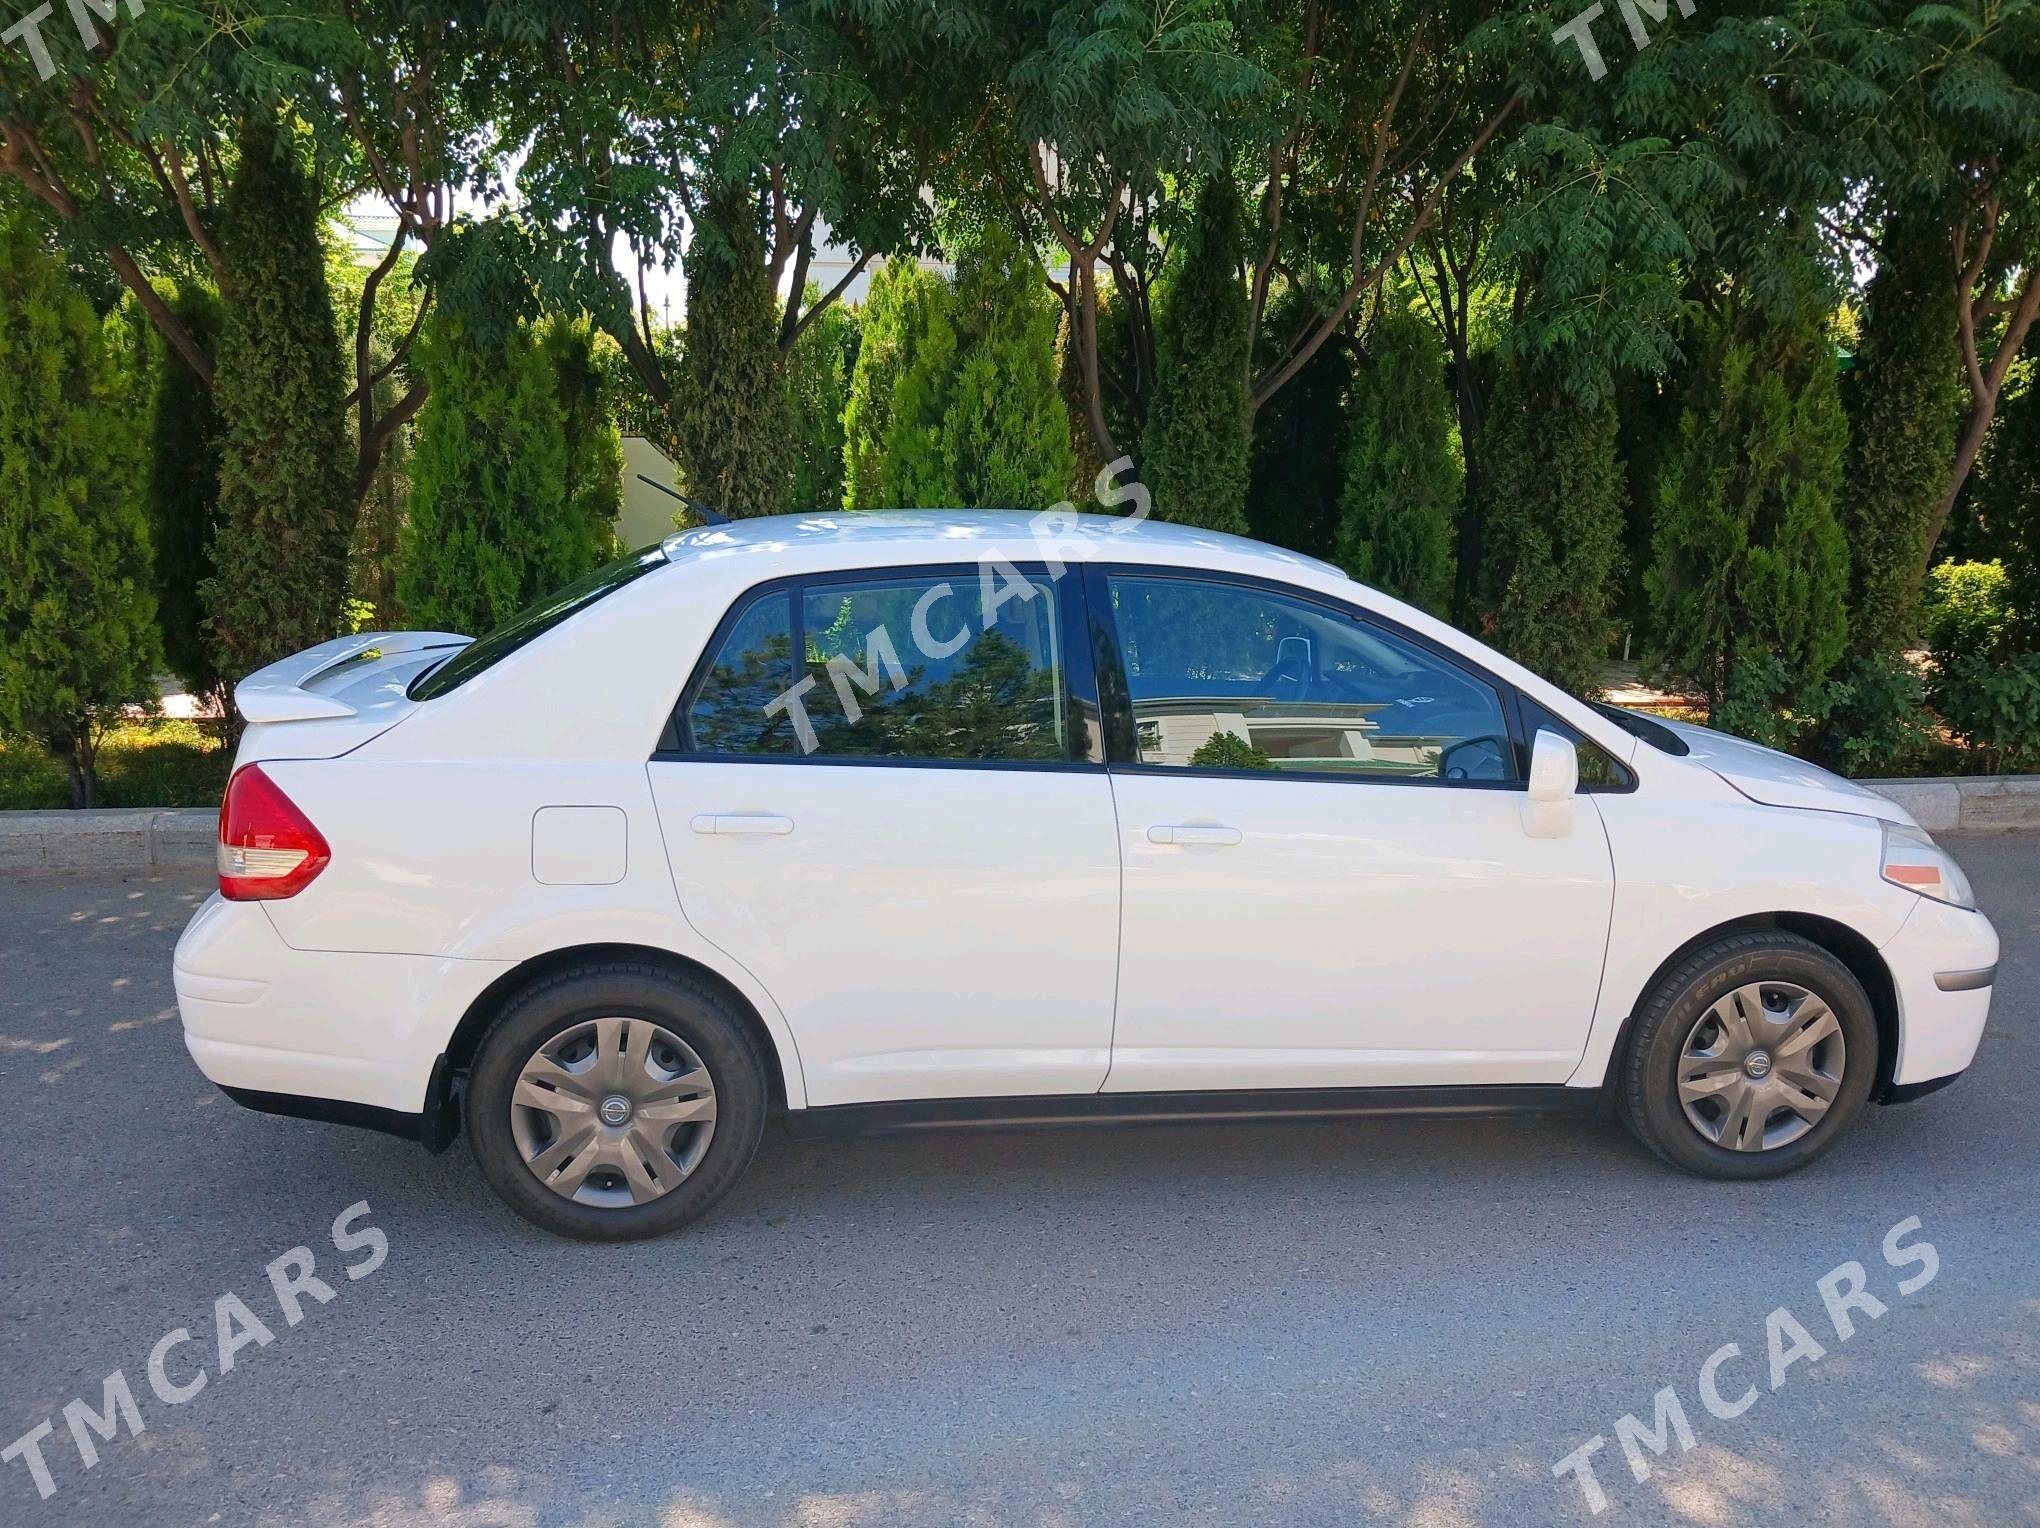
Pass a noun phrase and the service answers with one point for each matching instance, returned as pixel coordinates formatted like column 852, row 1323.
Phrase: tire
column 1696, row 1029
column 616, row 1020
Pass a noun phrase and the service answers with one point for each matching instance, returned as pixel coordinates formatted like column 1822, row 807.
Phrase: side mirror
column 1554, row 768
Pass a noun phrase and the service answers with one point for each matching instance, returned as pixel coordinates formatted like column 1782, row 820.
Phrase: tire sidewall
column 1655, row 1092
column 555, row 1006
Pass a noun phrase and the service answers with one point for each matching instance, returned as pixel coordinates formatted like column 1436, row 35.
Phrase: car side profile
column 889, row 820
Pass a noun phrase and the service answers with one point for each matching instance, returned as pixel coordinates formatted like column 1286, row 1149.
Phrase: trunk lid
column 330, row 699
column 1777, row 779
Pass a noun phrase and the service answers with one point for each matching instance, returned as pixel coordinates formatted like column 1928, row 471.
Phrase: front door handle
column 741, row 822
column 1192, row 833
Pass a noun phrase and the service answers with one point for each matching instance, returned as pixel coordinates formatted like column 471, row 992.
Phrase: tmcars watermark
column 26, row 33
column 1580, row 30
column 292, row 1280
column 998, row 582
column 1844, row 1291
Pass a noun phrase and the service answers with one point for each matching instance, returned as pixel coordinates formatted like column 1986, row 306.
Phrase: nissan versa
column 887, row 820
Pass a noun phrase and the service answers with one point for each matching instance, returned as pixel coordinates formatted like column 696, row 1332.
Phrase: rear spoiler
column 282, row 693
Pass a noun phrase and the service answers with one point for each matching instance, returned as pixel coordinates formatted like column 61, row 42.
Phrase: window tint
column 753, row 668
column 1223, row 676
column 533, row 622
column 917, row 668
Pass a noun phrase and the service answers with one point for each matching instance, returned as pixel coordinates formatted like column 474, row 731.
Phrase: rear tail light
column 268, row 849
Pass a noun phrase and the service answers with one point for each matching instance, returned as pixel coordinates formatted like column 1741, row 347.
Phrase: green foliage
column 286, row 507
column 182, row 491
column 1993, row 704
column 1553, row 528
column 1194, row 452
column 1748, row 560
column 141, row 761
column 2013, row 503
column 1764, row 704
column 77, row 615
column 1967, row 610
column 584, row 382
column 1904, row 400
column 491, row 526
column 1005, row 432
column 914, row 468
column 1228, row 750
column 1403, row 482
column 731, row 416
column 818, row 373
column 1300, row 446
column 1880, row 724
column 881, row 357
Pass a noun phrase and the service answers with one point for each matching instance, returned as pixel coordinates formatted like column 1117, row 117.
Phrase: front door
column 1328, row 882
column 917, row 859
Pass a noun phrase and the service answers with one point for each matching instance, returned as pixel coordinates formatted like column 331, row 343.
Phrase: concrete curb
column 144, row 838
column 130, row 838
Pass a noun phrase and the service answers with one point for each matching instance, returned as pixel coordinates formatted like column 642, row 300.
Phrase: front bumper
column 1941, row 961
column 318, row 1033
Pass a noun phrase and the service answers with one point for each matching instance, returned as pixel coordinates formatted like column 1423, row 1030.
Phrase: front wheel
column 615, row 1101
column 1750, row 1058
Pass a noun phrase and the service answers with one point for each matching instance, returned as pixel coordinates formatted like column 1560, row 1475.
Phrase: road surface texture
column 1407, row 1322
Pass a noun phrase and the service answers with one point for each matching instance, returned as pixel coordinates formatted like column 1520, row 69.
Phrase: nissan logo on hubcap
column 1758, row 1065
column 615, row 1109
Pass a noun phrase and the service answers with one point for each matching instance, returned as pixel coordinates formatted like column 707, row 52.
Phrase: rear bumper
column 1942, row 963
column 318, row 1033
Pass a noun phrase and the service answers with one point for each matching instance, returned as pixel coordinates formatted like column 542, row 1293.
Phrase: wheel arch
column 1838, row 939
column 483, row 1012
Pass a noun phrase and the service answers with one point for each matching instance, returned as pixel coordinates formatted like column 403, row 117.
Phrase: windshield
column 533, row 622
column 1649, row 728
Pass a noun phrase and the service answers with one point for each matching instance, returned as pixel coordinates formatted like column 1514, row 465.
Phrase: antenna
column 701, row 511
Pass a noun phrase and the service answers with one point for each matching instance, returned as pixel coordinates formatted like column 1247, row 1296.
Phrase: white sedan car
column 891, row 820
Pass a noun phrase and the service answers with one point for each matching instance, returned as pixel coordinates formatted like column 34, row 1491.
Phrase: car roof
column 965, row 535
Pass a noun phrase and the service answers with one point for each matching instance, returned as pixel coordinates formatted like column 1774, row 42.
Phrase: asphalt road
column 1337, row 1323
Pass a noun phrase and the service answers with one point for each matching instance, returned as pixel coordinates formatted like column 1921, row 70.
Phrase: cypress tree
column 77, row 619
column 881, row 354
column 1194, row 451
column 183, row 496
column 1300, row 442
column 1552, row 528
column 491, row 526
column 2011, row 495
column 1904, row 404
column 731, row 417
column 586, row 390
column 913, row 471
column 1402, row 479
column 819, row 370
column 1749, row 562
column 286, row 507
column 1005, row 435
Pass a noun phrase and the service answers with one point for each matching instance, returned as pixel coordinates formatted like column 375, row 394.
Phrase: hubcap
column 1761, row 1067
column 613, row 1112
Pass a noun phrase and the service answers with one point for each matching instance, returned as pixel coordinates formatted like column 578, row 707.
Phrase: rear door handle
column 741, row 822
column 1192, row 833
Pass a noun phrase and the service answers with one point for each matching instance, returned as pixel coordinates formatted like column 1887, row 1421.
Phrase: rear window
column 533, row 622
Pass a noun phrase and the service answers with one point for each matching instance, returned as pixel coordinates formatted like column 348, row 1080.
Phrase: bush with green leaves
column 1552, row 528
column 1967, row 610
column 899, row 391
column 287, row 502
column 1764, row 703
column 732, row 420
column 1993, row 705
column 1194, row 451
column 2010, row 498
column 1228, row 750
column 1403, row 479
column 1749, row 561
column 1005, row 432
column 1904, row 399
column 78, row 637
column 1297, row 470
column 491, row 526
column 1879, row 722
column 182, row 491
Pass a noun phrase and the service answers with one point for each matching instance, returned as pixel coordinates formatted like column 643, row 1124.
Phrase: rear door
column 889, row 803
column 1328, row 877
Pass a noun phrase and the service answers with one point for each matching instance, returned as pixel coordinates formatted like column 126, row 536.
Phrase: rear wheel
column 1750, row 1058
column 616, row 1101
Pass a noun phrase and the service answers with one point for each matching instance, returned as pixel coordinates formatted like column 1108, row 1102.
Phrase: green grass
column 151, row 762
